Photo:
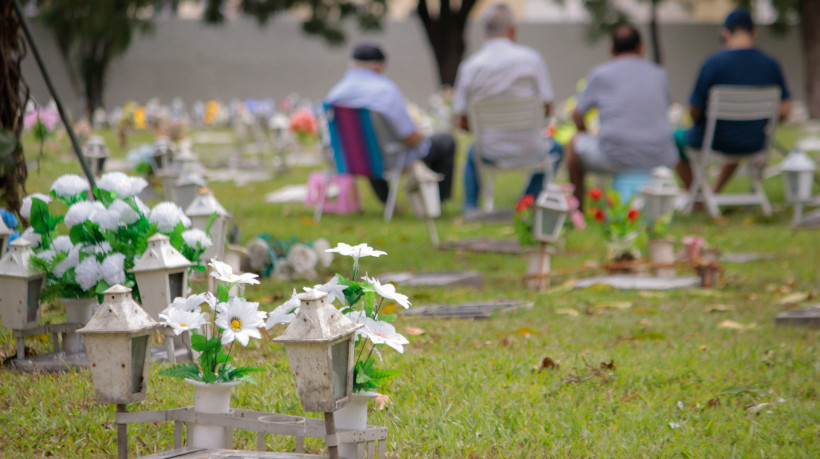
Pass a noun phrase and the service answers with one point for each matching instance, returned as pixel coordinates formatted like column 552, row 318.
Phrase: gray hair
column 497, row 19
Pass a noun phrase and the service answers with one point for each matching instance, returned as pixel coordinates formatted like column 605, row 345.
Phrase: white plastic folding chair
column 734, row 103
column 518, row 124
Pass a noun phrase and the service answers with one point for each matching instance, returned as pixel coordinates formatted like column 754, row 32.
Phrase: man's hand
column 413, row 139
column 578, row 117
column 461, row 122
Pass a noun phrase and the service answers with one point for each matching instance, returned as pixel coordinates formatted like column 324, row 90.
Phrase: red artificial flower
column 524, row 203
column 609, row 201
column 596, row 194
column 600, row 216
column 633, row 214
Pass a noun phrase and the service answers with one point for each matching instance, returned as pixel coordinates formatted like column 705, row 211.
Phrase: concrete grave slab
column 476, row 310
column 289, row 193
column 807, row 317
column 436, row 279
column 745, row 257
column 494, row 216
column 511, row 246
column 632, row 282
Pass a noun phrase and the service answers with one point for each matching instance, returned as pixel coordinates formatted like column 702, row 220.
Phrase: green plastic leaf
column 198, row 342
column 183, row 371
column 388, row 317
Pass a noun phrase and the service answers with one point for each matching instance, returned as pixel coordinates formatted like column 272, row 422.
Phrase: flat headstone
column 808, row 317
column 240, row 177
column 435, row 279
column 289, row 193
column 810, row 220
column 493, row 216
column 745, row 257
column 476, row 310
column 213, row 137
column 632, row 282
column 202, row 453
column 511, row 246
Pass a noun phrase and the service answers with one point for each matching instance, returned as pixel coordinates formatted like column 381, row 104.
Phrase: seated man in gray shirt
column 632, row 97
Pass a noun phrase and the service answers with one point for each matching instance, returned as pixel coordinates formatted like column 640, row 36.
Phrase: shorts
column 588, row 150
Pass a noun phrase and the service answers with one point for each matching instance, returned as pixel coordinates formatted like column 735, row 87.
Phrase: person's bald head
column 498, row 21
column 626, row 40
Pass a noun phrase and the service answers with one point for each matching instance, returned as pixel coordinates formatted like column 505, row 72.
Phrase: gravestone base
column 633, row 282
column 51, row 362
column 808, row 317
column 475, row 310
column 436, row 279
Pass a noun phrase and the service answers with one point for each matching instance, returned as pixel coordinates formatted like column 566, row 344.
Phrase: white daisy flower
column 379, row 332
column 126, row 213
column 356, row 251
column 62, row 244
column 284, row 313
column 35, row 239
column 182, row 321
column 112, row 269
column 193, row 302
column 239, row 320
column 334, row 290
column 124, row 185
column 195, row 238
column 69, row 185
column 88, row 273
column 388, row 292
column 302, row 258
column 71, row 261
column 167, row 215
column 320, row 246
column 80, row 212
column 223, row 272
column 25, row 209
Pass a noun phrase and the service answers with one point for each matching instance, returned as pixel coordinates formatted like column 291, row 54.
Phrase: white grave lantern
column 162, row 156
column 659, row 194
column 186, row 161
column 162, row 274
column 422, row 186
column 200, row 211
column 319, row 343
column 96, row 152
column 549, row 214
column 186, row 188
column 117, row 341
column 798, row 176
column 20, row 285
column 5, row 235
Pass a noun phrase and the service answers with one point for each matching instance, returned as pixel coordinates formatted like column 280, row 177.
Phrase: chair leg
column 757, row 186
column 390, row 205
column 488, row 190
column 317, row 214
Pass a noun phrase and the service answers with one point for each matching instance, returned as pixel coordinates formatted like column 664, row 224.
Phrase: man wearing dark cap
column 740, row 63
column 365, row 86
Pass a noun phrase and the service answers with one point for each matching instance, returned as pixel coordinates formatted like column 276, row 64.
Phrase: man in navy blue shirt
column 740, row 63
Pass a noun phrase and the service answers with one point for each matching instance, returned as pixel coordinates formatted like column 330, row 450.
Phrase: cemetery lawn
column 687, row 373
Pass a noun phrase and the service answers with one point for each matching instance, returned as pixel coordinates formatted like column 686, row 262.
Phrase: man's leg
column 726, row 173
column 441, row 159
column 576, row 172
column 472, row 186
column 683, row 167
column 381, row 188
column 537, row 178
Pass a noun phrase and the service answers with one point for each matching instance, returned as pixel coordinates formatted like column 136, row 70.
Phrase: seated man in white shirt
column 501, row 69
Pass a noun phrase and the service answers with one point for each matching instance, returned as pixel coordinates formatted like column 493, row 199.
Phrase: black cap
column 368, row 52
column 739, row 19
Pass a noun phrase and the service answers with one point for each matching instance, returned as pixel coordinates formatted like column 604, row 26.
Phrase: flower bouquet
column 620, row 223
column 42, row 122
column 288, row 259
column 303, row 124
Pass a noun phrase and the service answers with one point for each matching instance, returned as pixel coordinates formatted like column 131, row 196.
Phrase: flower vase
column 619, row 251
column 538, row 268
column 77, row 311
column 353, row 416
column 662, row 252
column 211, row 398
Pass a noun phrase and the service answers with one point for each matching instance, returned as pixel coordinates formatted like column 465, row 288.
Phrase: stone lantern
column 20, row 285
column 117, row 343
column 186, row 188
column 5, row 235
column 96, row 152
column 659, row 194
column 202, row 207
column 186, row 161
column 162, row 155
column 549, row 214
column 319, row 343
column 161, row 274
column 798, row 176
column 423, row 191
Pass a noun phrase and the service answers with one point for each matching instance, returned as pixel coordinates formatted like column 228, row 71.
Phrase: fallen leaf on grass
column 707, row 292
column 732, row 325
column 674, row 425
column 796, row 297
column 713, row 402
column 307, row 221
column 547, row 364
column 600, row 288
column 644, row 323
column 526, row 332
column 654, row 336
column 651, row 294
column 632, row 397
column 381, row 401
column 608, row 365
column 756, row 407
column 565, row 286
column 621, row 305
column 413, row 331
column 567, row 312
column 720, row 308
column 506, row 341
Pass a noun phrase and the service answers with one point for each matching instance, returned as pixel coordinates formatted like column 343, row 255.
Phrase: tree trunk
column 445, row 34
column 654, row 36
column 810, row 27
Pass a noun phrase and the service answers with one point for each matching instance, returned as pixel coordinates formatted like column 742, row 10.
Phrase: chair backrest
column 360, row 140
column 742, row 103
column 513, row 127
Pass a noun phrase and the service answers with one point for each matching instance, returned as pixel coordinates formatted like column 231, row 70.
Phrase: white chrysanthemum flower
column 107, row 219
column 320, row 246
column 47, row 255
column 88, row 273
column 144, row 210
column 69, row 185
column 302, row 258
column 282, row 270
column 124, row 185
column 193, row 302
column 239, row 320
column 167, row 215
column 62, row 244
column 182, row 321
column 126, row 213
column 35, row 239
column 223, row 272
column 70, row 261
column 195, row 238
column 98, row 249
column 25, row 209
column 334, row 290
column 285, row 312
column 112, row 269
column 80, row 212
column 388, row 292
column 356, row 251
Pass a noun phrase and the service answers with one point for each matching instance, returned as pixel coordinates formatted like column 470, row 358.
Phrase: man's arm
column 413, row 139
column 578, row 117
column 696, row 113
column 462, row 122
column 785, row 108
column 547, row 109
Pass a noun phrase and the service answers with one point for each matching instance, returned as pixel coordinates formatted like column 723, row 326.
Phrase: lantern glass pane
column 548, row 222
column 33, row 299
column 101, row 163
column 793, row 183
column 339, row 354
column 138, row 346
column 175, row 284
column 158, row 162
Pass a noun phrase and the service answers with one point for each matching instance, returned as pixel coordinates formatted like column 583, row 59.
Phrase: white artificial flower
column 182, row 321
column 62, row 244
column 222, row 271
column 239, row 320
column 144, row 210
column 69, row 185
column 320, row 246
column 302, row 258
column 388, row 292
column 356, row 251
column 70, row 261
column 25, row 209
column 88, row 273
column 124, row 185
column 80, row 212
column 334, row 290
column 282, row 270
column 195, row 238
column 47, row 255
column 35, row 239
column 98, row 249
column 126, row 213
column 379, row 332
column 106, row 219
column 193, row 302
column 285, row 312
column 167, row 215
column 112, row 269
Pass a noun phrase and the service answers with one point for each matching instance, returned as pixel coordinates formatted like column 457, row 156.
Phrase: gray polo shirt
column 632, row 97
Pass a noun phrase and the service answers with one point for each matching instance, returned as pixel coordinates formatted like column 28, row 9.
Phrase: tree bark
column 810, row 28
column 445, row 33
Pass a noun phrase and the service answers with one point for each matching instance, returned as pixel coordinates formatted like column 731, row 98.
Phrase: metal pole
column 122, row 433
column 36, row 52
column 330, row 430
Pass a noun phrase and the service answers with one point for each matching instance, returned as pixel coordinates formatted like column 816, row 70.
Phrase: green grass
column 469, row 388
